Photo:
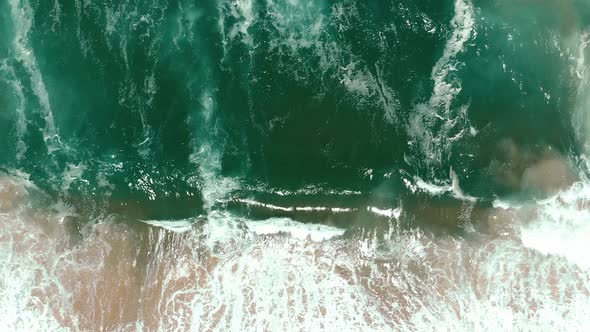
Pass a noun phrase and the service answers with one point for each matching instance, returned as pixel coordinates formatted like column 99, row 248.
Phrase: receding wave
column 227, row 272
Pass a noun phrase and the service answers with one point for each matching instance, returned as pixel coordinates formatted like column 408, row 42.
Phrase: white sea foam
column 298, row 28
column 561, row 225
column 207, row 156
column 21, row 122
column 260, row 204
column 71, row 174
column 438, row 123
column 581, row 118
column 230, row 273
column 294, row 229
column 22, row 17
column 379, row 211
column 253, row 202
column 176, row 226
column 452, row 188
column 242, row 12
column 445, row 87
column 390, row 213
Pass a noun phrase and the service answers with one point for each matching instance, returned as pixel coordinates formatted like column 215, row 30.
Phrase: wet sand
column 131, row 276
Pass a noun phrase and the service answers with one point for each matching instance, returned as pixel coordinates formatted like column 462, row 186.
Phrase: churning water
column 270, row 165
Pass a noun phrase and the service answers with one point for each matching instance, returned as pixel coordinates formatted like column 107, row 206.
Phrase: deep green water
column 157, row 102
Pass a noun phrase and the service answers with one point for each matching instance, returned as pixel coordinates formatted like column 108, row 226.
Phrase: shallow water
column 226, row 272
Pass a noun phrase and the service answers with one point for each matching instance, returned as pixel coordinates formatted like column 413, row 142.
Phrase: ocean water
column 289, row 165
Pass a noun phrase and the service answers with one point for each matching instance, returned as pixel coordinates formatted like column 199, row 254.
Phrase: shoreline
column 124, row 276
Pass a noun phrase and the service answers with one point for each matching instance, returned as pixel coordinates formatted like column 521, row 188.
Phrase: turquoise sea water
column 289, row 114
column 286, row 94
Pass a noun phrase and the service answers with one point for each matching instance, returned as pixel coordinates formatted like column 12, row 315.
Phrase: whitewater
column 270, row 165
